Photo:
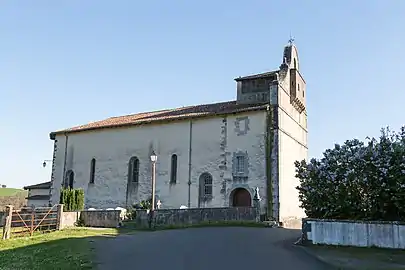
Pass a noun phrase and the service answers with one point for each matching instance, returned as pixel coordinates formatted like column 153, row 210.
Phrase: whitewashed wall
column 213, row 141
column 358, row 234
column 293, row 145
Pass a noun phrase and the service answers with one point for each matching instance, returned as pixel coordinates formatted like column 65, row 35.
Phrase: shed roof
column 45, row 185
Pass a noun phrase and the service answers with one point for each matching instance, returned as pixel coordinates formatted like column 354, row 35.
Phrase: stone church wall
column 214, row 144
column 194, row 216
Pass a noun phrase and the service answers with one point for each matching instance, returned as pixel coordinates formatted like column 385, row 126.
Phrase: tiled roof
column 256, row 76
column 44, row 185
column 221, row 108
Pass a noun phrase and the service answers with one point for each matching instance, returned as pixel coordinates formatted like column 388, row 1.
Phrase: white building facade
column 212, row 155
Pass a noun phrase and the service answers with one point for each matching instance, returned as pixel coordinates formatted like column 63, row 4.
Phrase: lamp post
column 46, row 161
column 153, row 158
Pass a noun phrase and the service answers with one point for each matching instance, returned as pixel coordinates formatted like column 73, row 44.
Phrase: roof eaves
column 145, row 122
column 45, row 185
column 258, row 75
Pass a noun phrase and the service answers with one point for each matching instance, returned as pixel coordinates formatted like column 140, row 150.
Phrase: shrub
column 356, row 180
column 72, row 199
column 145, row 204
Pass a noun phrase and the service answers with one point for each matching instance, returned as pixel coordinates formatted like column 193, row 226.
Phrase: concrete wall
column 213, row 144
column 184, row 217
column 69, row 219
column 354, row 233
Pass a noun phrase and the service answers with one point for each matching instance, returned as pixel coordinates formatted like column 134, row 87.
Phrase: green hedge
column 72, row 199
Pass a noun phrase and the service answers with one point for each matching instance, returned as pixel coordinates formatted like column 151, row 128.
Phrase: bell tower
column 290, row 74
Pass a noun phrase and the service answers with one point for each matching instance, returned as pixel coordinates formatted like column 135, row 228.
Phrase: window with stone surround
column 240, row 166
column 69, row 179
column 133, row 170
column 205, row 187
column 173, row 171
column 92, row 170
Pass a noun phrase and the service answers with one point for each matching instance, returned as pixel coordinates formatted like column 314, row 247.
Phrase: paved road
column 205, row 248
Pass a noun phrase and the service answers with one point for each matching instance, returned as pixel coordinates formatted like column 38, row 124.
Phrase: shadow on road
column 206, row 248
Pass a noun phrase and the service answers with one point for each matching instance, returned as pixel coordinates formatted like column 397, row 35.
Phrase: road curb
column 316, row 256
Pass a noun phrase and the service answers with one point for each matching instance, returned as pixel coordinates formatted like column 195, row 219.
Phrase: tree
column 72, row 199
column 356, row 180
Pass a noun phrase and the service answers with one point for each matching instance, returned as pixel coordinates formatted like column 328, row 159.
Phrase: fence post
column 7, row 223
column 32, row 220
column 59, row 221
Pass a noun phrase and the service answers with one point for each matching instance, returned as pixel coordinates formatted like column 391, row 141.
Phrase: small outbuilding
column 39, row 194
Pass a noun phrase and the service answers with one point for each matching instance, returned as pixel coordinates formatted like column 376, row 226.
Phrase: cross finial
column 291, row 40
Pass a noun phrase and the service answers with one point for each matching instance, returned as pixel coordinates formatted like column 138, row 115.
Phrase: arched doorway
column 240, row 197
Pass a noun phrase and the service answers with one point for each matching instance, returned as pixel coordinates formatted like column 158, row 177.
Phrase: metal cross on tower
column 291, row 40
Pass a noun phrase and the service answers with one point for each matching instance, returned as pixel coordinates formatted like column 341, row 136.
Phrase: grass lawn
column 10, row 191
column 67, row 249
column 360, row 258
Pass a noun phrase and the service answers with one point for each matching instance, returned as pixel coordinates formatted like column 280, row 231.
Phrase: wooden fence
column 27, row 220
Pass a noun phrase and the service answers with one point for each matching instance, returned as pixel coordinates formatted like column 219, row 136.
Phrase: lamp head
column 153, row 156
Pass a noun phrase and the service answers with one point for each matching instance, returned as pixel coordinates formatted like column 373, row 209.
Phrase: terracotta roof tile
column 228, row 107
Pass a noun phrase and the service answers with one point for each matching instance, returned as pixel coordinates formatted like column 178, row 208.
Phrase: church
column 209, row 155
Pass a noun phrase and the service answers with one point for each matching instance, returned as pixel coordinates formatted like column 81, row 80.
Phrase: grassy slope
column 12, row 196
column 67, row 249
column 11, row 191
column 360, row 258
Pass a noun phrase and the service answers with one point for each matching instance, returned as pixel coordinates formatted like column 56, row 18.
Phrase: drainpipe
column 189, row 163
column 64, row 162
column 269, row 150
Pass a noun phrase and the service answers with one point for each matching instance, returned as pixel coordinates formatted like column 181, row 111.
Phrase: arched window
column 92, row 170
column 69, row 179
column 173, row 172
column 206, row 186
column 295, row 64
column 133, row 170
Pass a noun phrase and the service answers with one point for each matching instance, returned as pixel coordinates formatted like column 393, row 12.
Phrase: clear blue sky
column 64, row 63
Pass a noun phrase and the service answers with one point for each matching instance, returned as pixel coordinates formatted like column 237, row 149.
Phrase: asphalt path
column 210, row 248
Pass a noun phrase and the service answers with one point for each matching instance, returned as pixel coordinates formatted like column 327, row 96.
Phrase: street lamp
column 153, row 158
column 45, row 161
